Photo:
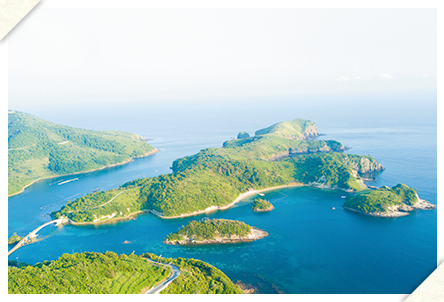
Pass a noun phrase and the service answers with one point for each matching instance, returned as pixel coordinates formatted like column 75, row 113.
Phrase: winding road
column 175, row 272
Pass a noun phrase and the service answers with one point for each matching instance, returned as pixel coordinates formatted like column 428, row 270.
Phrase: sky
column 110, row 55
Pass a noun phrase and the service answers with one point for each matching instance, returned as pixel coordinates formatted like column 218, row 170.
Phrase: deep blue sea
column 311, row 248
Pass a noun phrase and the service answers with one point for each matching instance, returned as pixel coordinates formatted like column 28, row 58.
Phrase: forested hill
column 215, row 177
column 39, row 148
column 110, row 273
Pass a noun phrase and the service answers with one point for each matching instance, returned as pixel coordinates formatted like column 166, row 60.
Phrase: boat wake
column 66, row 181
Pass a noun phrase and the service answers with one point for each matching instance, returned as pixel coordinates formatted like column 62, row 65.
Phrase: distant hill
column 295, row 129
column 38, row 148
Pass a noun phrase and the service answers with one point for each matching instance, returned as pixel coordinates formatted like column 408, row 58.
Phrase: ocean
column 311, row 248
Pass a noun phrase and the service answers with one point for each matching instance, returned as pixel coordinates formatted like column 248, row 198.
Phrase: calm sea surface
column 311, row 248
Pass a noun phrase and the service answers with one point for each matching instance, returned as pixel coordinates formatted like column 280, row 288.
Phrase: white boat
column 333, row 208
column 343, row 196
column 66, row 181
column 261, row 194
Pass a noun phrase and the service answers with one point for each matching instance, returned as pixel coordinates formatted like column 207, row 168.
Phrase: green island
column 110, row 273
column 262, row 205
column 197, row 277
column 283, row 154
column 40, row 149
column 210, row 231
column 387, row 202
column 14, row 238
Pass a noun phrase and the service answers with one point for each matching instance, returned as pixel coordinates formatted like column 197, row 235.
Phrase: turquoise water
column 311, row 248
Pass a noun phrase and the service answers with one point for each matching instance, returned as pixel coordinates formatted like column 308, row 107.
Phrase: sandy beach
column 220, row 208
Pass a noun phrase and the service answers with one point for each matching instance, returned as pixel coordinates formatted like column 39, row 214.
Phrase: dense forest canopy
column 110, row 273
column 87, row 273
column 38, row 148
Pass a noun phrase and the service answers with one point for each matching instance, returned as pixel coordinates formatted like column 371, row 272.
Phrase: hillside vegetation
column 98, row 206
column 262, row 205
column 295, row 129
column 38, row 149
column 110, row 273
column 216, row 176
column 380, row 200
column 87, row 273
column 208, row 229
column 197, row 277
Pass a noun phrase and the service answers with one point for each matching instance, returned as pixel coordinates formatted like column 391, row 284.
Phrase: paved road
column 175, row 272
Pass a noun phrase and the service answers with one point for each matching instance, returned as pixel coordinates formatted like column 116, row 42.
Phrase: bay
column 311, row 248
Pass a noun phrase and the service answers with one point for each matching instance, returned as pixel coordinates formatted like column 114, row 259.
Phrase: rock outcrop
column 264, row 210
column 365, row 165
column 399, row 210
column 310, row 132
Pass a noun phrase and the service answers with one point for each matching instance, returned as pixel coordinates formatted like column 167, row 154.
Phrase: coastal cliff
column 364, row 164
column 310, row 132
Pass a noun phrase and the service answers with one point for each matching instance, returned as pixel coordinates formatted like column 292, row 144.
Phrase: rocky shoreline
column 264, row 210
column 378, row 214
column 254, row 234
column 246, row 288
column 398, row 210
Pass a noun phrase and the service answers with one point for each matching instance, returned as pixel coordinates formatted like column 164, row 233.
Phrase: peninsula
column 110, row 273
column 283, row 154
column 387, row 202
column 214, row 231
column 40, row 149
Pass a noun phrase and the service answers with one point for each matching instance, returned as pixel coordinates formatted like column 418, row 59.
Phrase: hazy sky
column 105, row 55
